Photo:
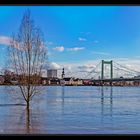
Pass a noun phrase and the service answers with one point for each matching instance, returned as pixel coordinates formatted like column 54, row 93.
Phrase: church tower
column 63, row 73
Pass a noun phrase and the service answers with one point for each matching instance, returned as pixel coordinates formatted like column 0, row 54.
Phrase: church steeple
column 63, row 73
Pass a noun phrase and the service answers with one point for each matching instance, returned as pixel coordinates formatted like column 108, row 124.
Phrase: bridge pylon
column 111, row 68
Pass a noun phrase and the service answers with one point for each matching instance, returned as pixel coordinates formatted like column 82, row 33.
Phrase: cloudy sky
column 79, row 37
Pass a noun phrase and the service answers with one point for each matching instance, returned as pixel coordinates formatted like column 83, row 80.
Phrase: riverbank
column 81, row 85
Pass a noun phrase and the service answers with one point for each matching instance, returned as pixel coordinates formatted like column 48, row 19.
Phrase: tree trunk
column 28, row 104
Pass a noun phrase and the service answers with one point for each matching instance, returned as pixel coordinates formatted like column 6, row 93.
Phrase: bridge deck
column 116, row 79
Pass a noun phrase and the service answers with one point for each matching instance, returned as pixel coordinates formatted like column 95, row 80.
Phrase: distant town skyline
column 79, row 37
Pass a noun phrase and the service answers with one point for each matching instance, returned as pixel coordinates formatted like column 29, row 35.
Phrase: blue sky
column 79, row 34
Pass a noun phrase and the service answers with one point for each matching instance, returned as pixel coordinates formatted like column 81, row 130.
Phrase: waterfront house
column 62, row 82
column 45, row 81
column 73, row 81
column 68, row 80
column 1, row 79
column 54, row 81
column 87, row 82
column 77, row 82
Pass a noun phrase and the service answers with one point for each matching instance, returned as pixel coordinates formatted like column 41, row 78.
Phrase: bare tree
column 28, row 54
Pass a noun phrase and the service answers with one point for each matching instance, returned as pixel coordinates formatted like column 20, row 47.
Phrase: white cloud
column 96, row 41
column 86, row 67
column 52, row 65
column 68, row 67
column 55, row 65
column 82, row 39
column 50, row 43
column 4, row 40
column 76, row 49
column 49, row 53
column 76, row 70
column 101, row 53
column 59, row 48
column 131, row 63
column 82, row 69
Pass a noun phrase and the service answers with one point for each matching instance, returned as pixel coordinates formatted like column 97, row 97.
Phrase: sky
column 79, row 37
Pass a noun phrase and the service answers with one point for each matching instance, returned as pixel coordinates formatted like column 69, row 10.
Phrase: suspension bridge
column 110, row 72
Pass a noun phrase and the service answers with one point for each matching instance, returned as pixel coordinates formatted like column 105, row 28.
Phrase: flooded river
column 72, row 110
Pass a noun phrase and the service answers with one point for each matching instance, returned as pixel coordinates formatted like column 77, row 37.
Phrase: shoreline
column 82, row 85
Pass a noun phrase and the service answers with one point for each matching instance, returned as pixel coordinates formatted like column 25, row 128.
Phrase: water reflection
column 111, row 101
column 27, row 121
column 63, row 98
column 30, row 121
column 103, row 99
column 63, row 94
column 71, row 110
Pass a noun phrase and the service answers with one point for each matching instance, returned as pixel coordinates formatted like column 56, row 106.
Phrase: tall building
column 52, row 73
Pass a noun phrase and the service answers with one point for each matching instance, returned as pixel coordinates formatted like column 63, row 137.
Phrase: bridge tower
column 111, row 68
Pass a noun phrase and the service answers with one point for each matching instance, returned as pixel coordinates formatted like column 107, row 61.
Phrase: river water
column 72, row 110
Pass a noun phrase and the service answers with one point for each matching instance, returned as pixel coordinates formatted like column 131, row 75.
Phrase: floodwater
column 72, row 110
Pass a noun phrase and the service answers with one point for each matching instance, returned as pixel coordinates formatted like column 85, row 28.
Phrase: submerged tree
column 28, row 55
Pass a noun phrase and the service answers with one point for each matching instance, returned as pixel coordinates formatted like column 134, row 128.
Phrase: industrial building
column 52, row 73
